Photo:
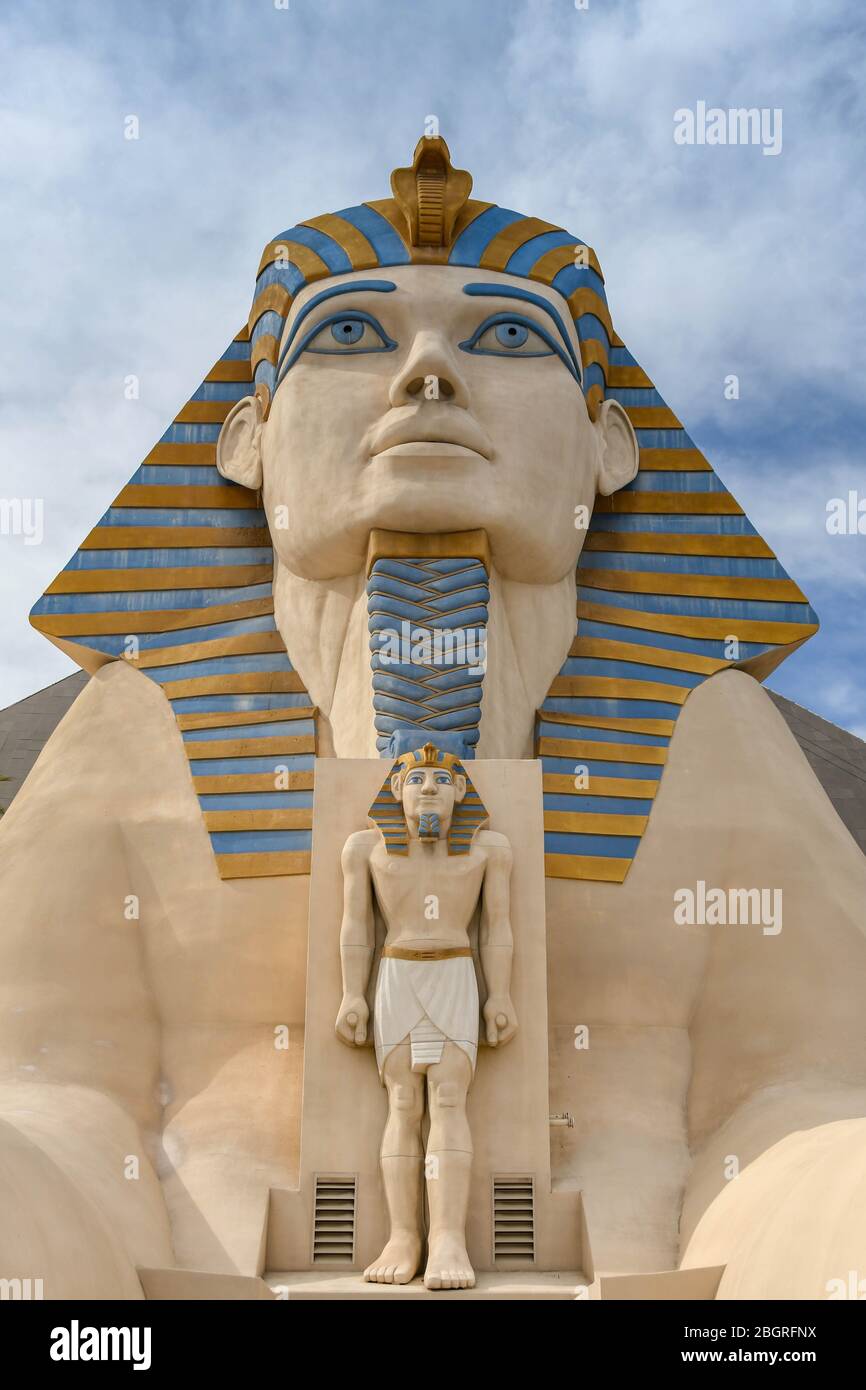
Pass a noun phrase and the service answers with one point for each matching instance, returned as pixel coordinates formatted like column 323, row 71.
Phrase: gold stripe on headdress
column 354, row 243
column 499, row 251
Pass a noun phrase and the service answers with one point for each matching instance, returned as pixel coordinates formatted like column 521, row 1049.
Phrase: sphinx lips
column 421, row 430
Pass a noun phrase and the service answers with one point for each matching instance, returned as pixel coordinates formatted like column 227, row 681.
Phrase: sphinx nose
column 431, row 372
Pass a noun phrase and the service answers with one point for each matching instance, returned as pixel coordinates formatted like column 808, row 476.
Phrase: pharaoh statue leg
column 448, row 1168
column 402, row 1161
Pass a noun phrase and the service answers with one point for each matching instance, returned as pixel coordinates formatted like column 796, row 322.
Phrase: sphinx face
column 408, row 400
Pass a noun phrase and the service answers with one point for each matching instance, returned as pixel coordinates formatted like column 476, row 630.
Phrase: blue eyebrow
column 512, row 292
column 382, row 286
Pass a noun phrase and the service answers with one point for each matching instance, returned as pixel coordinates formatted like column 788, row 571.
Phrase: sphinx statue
column 426, row 495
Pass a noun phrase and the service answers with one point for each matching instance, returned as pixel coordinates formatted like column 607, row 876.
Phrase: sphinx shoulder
column 731, row 719
column 119, row 739
column 732, row 690
column 734, row 766
column 118, row 695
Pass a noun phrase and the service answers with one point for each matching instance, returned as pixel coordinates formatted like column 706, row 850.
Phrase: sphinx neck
column 325, row 625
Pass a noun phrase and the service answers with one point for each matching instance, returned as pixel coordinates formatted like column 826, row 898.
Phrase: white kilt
column 428, row 1002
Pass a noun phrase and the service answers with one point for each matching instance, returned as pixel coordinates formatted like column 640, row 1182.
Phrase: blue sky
column 138, row 257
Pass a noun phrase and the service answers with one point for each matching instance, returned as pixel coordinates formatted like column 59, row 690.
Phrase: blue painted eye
column 347, row 331
column 344, row 333
column 512, row 335
column 505, row 335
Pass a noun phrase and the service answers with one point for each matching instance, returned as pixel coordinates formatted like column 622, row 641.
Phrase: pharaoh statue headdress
column 468, row 815
column 176, row 576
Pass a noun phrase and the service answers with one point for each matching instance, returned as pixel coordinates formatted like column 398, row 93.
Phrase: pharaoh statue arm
column 356, row 939
column 496, row 942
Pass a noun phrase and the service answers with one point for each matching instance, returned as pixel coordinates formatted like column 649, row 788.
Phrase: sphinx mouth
column 430, row 432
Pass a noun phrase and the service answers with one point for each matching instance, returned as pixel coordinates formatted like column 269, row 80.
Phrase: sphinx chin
column 330, row 539
column 427, row 498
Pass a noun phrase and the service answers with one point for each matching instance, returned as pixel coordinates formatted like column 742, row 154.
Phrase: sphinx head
column 432, row 387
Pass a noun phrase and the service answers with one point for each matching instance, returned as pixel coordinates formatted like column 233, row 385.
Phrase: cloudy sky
column 138, row 257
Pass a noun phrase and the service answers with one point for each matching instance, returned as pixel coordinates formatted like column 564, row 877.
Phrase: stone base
column 523, row 1285
column 562, row 1285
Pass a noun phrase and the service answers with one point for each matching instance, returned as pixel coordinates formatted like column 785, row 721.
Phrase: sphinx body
column 705, row 1042
column 147, row 993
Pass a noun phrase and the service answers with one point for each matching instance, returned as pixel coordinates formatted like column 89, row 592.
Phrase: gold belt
column 446, row 953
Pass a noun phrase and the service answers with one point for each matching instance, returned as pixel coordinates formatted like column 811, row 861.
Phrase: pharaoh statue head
column 428, row 794
column 428, row 783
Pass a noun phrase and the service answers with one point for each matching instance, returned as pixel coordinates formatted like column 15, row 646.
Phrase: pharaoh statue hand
column 500, row 1019
column 351, row 1025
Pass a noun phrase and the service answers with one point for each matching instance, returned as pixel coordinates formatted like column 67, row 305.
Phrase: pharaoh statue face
column 428, row 789
column 428, row 399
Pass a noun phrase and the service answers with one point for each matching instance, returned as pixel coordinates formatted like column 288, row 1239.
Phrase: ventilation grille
column 514, row 1219
column 334, row 1221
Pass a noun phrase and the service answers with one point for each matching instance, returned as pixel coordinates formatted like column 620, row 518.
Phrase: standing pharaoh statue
column 427, row 863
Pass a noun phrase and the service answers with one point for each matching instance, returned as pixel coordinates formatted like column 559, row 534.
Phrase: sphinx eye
column 511, row 335
column 355, row 332
column 347, row 331
column 505, row 335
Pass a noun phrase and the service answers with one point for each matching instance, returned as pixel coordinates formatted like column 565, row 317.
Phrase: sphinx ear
column 459, row 787
column 239, row 447
column 618, row 450
column 396, row 779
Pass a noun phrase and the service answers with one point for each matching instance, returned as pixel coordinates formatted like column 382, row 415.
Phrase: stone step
column 681, row 1285
column 686, row 1285
column 181, row 1285
column 562, row 1285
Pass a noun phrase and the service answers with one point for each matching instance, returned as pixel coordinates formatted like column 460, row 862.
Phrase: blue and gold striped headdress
column 176, row 576
column 430, row 220
column 467, row 818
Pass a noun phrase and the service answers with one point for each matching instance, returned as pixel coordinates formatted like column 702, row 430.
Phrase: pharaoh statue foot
column 398, row 1262
column 448, row 1264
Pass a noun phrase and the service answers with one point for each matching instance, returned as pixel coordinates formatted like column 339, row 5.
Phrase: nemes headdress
column 430, row 220
column 673, row 584
column 467, row 817
column 429, row 756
